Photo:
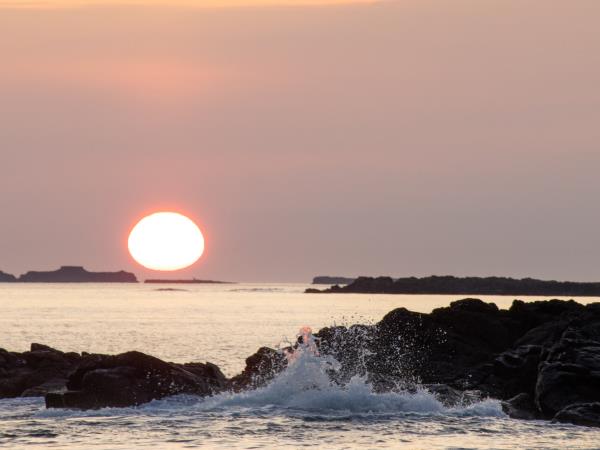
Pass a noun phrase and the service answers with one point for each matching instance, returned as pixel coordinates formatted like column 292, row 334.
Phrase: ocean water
column 224, row 324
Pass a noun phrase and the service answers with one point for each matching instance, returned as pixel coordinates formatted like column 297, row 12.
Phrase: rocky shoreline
column 542, row 359
column 449, row 285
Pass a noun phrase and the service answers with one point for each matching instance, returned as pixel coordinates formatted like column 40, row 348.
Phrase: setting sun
column 166, row 241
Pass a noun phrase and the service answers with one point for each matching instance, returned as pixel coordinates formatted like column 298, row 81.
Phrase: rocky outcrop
column 77, row 274
column 260, row 368
column 131, row 379
column 541, row 358
column 586, row 414
column 7, row 277
column 36, row 372
column 450, row 285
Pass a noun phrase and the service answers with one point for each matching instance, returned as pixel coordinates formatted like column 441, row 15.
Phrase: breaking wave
column 305, row 389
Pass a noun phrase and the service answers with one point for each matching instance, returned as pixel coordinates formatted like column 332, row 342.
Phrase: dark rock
column 586, row 414
column 451, row 397
column 521, row 406
column 260, row 368
column 131, row 379
column 312, row 291
column 77, row 274
column 515, row 371
column 52, row 385
column 7, row 278
column 34, row 372
column 570, row 373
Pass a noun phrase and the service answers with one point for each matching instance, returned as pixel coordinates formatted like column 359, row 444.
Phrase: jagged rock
column 34, row 372
column 570, row 374
column 131, row 379
column 260, row 368
column 515, row 371
column 586, row 414
column 521, row 406
column 52, row 385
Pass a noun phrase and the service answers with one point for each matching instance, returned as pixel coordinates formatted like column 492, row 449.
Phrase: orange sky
column 403, row 138
column 193, row 3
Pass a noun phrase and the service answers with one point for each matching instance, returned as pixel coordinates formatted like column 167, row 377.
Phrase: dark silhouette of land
column 450, row 285
column 72, row 274
column 7, row 277
column 192, row 281
column 325, row 279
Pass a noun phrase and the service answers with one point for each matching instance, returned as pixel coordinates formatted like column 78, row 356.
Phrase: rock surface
column 586, row 414
column 131, row 379
column 33, row 373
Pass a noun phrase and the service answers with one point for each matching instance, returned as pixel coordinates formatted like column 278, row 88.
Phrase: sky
column 408, row 137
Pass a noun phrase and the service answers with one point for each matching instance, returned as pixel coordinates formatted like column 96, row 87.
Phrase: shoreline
column 515, row 355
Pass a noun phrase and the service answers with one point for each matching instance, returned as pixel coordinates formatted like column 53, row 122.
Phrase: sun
column 166, row 241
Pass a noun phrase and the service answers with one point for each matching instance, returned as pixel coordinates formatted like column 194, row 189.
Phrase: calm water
column 224, row 324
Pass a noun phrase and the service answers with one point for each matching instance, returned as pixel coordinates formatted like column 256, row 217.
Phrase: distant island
column 449, row 285
column 192, row 281
column 70, row 274
column 324, row 279
column 7, row 277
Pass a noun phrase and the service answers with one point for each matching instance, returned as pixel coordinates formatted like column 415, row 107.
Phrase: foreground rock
column 541, row 358
column 133, row 378
column 36, row 372
column 586, row 414
column 450, row 285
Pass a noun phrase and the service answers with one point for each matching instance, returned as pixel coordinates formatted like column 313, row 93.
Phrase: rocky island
column 326, row 279
column 192, row 281
column 7, row 277
column 77, row 274
column 542, row 359
column 449, row 285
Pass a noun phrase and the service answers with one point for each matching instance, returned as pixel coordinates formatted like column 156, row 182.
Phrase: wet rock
column 451, row 397
column 521, row 406
column 260, row 368
column 570, row 374
column 35, row 372
column 586, row 414
column 52, row 385
column 131, row 379
column 516, row 370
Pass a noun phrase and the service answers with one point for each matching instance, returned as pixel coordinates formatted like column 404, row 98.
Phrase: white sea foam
column 305, row 386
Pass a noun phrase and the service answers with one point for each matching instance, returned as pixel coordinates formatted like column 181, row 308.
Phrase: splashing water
column 307, row 387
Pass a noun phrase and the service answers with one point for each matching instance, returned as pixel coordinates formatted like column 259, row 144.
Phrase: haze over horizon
column 393, row 138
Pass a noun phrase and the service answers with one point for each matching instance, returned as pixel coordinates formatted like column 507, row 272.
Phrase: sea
column 224, row 324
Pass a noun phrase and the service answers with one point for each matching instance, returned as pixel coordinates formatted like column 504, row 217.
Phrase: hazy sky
column 407, row 137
